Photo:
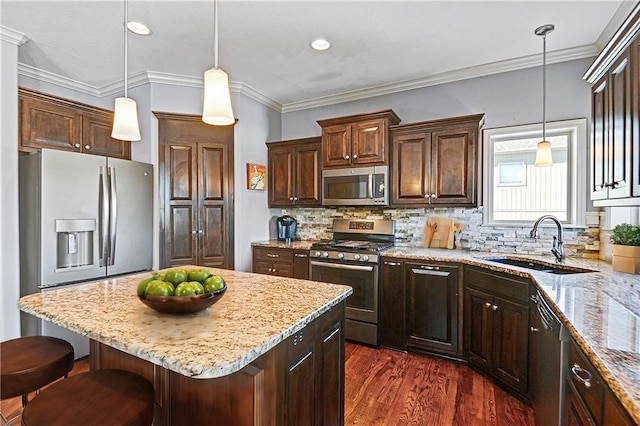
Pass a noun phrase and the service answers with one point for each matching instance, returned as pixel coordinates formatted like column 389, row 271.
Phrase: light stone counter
column 293, row 245
column 600, row 309
column 254, row 315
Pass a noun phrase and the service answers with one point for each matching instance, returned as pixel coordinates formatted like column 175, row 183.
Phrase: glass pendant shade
column 543, row 154
column 125, row 120
column 217, row 98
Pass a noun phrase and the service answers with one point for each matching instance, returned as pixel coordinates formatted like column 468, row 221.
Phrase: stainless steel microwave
column 357, row 186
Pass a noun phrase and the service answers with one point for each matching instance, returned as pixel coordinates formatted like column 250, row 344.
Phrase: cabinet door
column 330, row 377
column 97, row 138
column 301, row 265
column 478, row 328
column 599, row 140
column 511, row 343
column 49, row 125
column 336, row 146
column 369, row 142
column 300, row 389
column 280, row 176
column 392, row 306
column 181, row 200
column 432, row 307
column 411, row 168
column 621, row 129
column 453, row 159
column 575, row 413
column 308, row 174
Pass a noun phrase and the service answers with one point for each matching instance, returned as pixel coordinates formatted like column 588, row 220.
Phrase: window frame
column 577, row 186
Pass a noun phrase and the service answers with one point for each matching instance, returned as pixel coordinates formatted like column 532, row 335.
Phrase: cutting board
column 440, row 232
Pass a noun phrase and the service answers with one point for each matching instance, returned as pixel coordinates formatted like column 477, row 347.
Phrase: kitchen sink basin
column 540, row 266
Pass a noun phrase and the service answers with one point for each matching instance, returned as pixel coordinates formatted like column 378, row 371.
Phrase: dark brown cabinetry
column 588, row 399
column 294, row 173
column 437, row 162
column 392, row 322
column 615, row 124
column 196, row 192
column 298, row 382
column 357, row 139
column 47, row 121
column 288, row 263
column 496, row 326
column 432, row 307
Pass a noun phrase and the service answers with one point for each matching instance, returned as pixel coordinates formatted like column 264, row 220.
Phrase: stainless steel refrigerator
column 82, row 217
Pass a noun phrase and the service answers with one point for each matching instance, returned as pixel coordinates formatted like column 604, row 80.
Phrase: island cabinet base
column 299, row 381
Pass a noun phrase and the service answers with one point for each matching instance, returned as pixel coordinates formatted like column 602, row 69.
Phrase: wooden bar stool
column 29, row 363
column 99, row 397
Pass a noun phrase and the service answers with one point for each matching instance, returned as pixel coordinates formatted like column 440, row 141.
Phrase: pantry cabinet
column 48, row 121
column 357, row 140
column 496, row 326
column 294, row 173
column 437, row 163
column 615, row 118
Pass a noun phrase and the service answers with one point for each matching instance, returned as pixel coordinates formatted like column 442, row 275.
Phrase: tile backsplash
column 315, row 224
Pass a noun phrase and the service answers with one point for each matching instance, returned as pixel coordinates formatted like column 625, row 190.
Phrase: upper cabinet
column 50, row 122
column 357, row 139
column 437, row 162
column 615, row 118
column 294, row 173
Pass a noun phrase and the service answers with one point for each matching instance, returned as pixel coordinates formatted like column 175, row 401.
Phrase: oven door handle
column 342, row 266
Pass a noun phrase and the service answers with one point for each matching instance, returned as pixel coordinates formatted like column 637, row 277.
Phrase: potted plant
column 626, row 248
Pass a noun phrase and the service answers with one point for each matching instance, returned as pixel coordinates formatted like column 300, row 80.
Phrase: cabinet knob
column 494, row 307
column 487, row 304
column 355, row 156
column 290, row 198
column 87, row 147
column 434, row 196
column 295, row 198
column 346, row 157
column 77, row 145
column 534, row 329
column 427, row 195
column 193, row 232
column 200, row 231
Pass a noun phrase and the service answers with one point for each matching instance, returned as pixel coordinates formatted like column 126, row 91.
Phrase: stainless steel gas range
column 353, row 258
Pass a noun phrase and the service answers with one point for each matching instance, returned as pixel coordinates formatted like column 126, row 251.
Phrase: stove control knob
column 316, row 254
column 325, row 254
column 356, row 257
column 365, row 258
column 340, row 255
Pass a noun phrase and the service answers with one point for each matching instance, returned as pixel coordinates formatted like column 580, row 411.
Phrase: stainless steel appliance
column 550, row 348
column 82, row 217
column 359, row 186
column 286, row 228
column 353, row 258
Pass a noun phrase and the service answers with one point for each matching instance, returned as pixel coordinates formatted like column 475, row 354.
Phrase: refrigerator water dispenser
column 75, row 242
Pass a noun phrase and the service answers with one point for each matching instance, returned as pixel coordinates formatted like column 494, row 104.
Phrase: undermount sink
column 540, row 266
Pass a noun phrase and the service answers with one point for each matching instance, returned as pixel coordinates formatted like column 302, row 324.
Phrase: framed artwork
column 256, row 176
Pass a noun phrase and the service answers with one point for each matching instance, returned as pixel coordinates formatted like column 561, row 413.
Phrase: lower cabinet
column 391, row 325
column 282, row 262
column 298, row 382
column 432, row 307
column 588, row 400
column 496, row 326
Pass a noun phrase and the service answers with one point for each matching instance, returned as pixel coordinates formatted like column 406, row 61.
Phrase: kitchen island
column 271, row 351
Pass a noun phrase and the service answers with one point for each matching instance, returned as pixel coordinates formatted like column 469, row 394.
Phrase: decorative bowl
column 183, row 304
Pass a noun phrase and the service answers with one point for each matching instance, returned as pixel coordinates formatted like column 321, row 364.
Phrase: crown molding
column 447, row 77
column 13, row 36
column 58, row 80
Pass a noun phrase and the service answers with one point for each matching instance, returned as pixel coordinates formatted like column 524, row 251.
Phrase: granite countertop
column 254, row 315
column 600, row 309
column 294, row 245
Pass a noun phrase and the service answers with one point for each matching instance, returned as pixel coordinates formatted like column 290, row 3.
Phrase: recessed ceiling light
column 320, row 44
column 139, row 28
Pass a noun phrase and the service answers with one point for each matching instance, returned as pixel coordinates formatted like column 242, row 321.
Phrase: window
column 518, row 192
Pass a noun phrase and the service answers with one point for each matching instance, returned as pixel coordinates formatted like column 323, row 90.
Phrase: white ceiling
column 377, row 45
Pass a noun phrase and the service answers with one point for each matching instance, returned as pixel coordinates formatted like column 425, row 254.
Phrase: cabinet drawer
column 272, row 255
column 273, row 268
column 498, row 284
column 586, row 381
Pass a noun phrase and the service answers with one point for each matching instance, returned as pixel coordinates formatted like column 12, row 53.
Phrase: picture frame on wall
column 256, row 177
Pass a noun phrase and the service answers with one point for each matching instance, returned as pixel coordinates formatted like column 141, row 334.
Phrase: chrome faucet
column 558, row 245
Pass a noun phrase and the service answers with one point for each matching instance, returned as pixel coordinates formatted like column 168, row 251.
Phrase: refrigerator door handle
column 104, row 218
column 113, row 204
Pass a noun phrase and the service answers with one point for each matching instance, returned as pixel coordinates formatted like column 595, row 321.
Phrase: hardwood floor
column 385, row 387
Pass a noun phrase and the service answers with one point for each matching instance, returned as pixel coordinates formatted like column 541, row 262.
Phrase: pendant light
column 125, row 119
column 217, row 98
column 543, row 152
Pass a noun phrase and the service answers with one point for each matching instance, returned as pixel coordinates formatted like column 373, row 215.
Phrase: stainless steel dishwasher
column 550, row 346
